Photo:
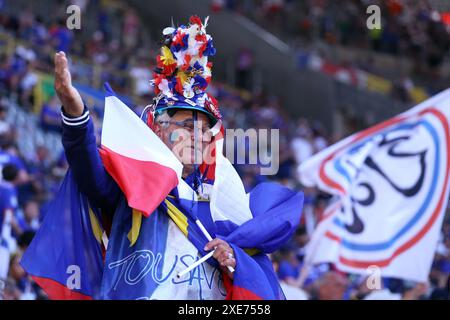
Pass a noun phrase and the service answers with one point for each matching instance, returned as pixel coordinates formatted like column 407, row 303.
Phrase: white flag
column 391, row 182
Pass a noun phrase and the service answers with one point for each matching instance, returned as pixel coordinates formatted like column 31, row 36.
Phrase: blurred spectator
column 96, row 48
column 27, row 84
column 39, row 33
column 289, row 267
column 131, row 27
column 141, row 75
column 61, row 36
column 5, row 126
column 299, row 242
column 28, row 220
column 9, row 155
column 244, row 68
column 442, row 293
column 332, row 286
column 26, row 20
column 51, row 115
column 10, row 175
column 217, row 5
column 5, row 74
column 290, row 288
column 319, row 141
column 8, row 208
column 302, row 144
column 24, row 286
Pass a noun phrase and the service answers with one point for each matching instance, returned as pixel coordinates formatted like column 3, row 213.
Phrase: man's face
column 179, row 136
column 31, row 210
column 333, row 287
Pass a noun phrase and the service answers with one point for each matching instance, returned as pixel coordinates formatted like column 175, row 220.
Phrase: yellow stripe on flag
column 95, row 224
column 181, row 221
column 136, row 221
column 252, row 251
column 177, row 216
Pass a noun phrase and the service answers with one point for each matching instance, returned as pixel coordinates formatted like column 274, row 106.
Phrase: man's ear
column 156, row 127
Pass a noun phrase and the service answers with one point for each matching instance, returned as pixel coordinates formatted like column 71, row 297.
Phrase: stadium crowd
column 413, row 29
column 32, row 162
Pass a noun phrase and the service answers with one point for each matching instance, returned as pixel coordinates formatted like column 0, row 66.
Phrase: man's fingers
column 228, row 263
column 59, row 62
column 63, row 81
column 69, row 96
column 220, row 251
column 61, row 68
column 223, row 252
column 225, row 255
column 214, row 243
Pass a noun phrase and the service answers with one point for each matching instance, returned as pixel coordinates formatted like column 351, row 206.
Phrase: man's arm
column 84, row 160
column 79, row 142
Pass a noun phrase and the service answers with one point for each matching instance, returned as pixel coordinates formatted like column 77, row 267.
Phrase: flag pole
column 195, row 264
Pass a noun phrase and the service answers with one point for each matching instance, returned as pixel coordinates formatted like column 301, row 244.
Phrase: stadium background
column 309, row 68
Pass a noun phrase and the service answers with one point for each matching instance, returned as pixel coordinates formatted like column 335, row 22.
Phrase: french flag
column 142, row 165
column 229, row 200
column 146, row 170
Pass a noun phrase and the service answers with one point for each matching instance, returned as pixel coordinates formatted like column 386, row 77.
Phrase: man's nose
column 200, row 135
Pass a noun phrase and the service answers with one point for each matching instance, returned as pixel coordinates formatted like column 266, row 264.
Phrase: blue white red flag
column 391, row 183
column 65, row 256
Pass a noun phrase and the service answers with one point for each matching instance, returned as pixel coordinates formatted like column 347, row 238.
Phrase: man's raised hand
column 67, row 94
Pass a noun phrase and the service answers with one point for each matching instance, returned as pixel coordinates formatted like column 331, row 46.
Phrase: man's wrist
column 72, row 121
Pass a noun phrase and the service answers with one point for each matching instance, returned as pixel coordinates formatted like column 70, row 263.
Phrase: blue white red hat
column 183, row 71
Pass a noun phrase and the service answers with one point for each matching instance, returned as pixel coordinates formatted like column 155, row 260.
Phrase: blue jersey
column 7, row 158
column 8, row 200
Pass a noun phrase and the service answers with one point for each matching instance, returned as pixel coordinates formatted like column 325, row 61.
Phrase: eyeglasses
column 189, row 125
